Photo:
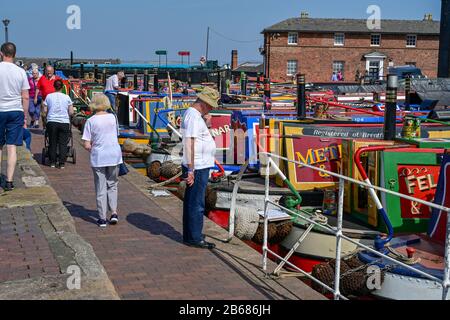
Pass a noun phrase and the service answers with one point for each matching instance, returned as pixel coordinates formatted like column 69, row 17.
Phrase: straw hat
column 210, row 96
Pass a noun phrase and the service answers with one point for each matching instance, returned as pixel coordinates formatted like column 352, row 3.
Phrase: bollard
column 146, row 81
column 301, row 97
column 390, row 113
column 408, row 93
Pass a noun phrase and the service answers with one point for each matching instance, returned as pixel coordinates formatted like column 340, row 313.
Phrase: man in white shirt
column 14, row 101
column 199, row 149
column 112, row 85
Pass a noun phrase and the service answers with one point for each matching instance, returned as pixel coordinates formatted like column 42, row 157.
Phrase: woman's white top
column 58, row 107
column 102, row 132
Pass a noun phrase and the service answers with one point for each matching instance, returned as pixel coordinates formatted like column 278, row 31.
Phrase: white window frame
column 379, row 42
column 289, row 38
column 408, row 38
column 336, row 37
column 288, row 73
column 343, row 67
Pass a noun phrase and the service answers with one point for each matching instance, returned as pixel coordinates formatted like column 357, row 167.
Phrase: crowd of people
column 27, row 97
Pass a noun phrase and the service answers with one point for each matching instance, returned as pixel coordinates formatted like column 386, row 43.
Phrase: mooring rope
column 164, row 183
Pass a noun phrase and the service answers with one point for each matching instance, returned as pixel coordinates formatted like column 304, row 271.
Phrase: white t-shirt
column 13, row 80
column 112, row 83
column 58, row 107
column 101, row 131
column 194, row 126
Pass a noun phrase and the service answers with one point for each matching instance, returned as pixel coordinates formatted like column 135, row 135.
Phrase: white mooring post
column 266, row 216
column 339, row 234
column 446, row 283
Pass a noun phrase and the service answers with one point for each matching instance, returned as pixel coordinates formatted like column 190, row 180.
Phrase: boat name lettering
column 220, row 131
column 424, row 183
column 331, row 153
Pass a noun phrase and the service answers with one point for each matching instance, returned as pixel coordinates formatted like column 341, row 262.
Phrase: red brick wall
column 316, row 52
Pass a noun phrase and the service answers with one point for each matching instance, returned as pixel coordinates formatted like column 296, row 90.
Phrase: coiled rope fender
column 246, row 223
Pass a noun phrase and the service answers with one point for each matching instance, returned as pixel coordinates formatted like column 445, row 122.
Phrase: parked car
column 404, row 71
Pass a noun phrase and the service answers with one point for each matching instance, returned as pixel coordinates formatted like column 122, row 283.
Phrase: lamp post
column 6, row 22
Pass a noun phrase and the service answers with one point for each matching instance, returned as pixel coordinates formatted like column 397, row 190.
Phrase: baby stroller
column 71, row 152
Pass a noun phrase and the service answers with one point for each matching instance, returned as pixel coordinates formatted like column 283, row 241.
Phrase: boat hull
column 397, row 287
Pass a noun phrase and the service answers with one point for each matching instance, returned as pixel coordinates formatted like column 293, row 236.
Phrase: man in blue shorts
column 14, row 101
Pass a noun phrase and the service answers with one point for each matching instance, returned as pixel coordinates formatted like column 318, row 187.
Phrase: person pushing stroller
column 59, row 108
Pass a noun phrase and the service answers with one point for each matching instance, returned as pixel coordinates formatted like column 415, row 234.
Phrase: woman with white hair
column 101, row 140
column 35, row 104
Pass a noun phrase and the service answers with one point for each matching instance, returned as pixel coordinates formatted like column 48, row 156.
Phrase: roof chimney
column 304, row 15
column 428, row 17
column 234, row 59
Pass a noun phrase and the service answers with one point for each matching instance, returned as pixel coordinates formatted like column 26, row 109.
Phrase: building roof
column 254, row 67
column 425, row 27
column 40, row 61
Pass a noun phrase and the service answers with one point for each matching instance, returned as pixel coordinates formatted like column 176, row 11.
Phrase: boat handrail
column 133, row 105
column 338, row 231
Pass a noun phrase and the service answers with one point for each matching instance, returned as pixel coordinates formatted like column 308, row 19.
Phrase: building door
column 374, row 70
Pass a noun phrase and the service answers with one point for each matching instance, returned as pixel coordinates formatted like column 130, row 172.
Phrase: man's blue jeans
column 194, row 207
column 112, row 100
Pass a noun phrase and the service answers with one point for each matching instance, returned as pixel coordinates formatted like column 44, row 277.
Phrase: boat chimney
column 408, row 93
column 95, row 72
column 244, row 83
column 146, row 81
column 104, row 77
column 234, row 59
column 444, row 50
column 390, row 113
column 135, row 80
column 301, row 97
column 82, row 71
column 267, row 95
column 156, row 84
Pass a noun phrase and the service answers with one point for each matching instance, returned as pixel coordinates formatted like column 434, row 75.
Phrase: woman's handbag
column 123, row 170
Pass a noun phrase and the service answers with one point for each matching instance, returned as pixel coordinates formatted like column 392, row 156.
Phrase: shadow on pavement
column 154, row 226
column 77, row 211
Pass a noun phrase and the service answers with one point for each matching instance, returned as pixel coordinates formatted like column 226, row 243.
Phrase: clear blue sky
column 134, row 29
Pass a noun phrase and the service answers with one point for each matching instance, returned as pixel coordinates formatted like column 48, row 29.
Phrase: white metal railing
column 338, row 231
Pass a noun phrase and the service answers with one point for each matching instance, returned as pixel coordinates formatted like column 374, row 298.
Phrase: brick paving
column 24, row 250
column 143, row 255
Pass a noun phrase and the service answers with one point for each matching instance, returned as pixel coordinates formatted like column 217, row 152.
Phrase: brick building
column 319, row 47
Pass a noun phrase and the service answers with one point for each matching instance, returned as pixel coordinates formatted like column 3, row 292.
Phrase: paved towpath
column 39, row 244
column 143, row 255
